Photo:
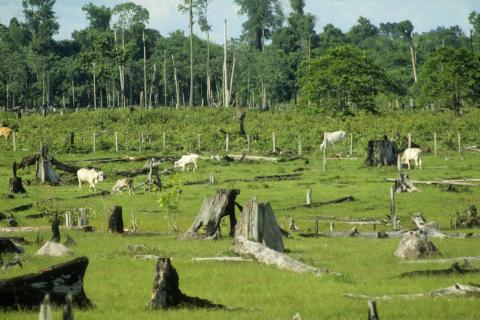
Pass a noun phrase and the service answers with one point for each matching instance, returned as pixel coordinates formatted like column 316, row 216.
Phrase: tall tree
column 263, row 17
column 202, row 16
column 188, row 7
column 98, row 16
column 405, row 28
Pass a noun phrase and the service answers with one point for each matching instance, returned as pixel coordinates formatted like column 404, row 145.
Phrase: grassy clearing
column 119, row 285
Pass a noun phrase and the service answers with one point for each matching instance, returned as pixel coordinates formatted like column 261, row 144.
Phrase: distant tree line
column 116, row 61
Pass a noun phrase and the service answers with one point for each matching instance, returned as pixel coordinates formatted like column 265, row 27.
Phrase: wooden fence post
column 393, row 215
column 351, row 144
column 116, row 142
column 332, row 226
column 14, row 141
column 372, row 310
column 409, row 140
column 248, row 143
column 274, row 149
column 459, row 137
column 164, row 140
column 299, row 145
column 399, row 164
column 226, row 143
column 94, row 142
column 324, row 159
column 82, row 217
column 309, row 197
column 68, row 219
column 316, row 225
column 435, row 144
column 198, row 140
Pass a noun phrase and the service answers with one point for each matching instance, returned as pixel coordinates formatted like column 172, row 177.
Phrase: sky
column 164, row 17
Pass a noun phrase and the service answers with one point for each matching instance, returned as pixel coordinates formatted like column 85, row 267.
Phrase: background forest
column 279, row 60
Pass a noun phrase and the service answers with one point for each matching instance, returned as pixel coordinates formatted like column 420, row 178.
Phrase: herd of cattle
column 92, row 176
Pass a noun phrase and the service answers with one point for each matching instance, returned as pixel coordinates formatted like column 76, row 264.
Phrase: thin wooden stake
column 226, row 142
column 324, row 159
column 399, row 164
column 198, row 142
column 164, row 140
column 299, row 145
column 332, row 226
column 409, row 140
column 372, row 310
column 316, row 225
column 309, row 197
column 248, row 143
column 435, row 144
column 459, row 144
column 351, row 144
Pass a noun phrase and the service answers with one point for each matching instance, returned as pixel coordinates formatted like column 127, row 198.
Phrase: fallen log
column 277, row 177
column 166, row 293
column 465, row 259
column 458, row 289
column 241, row 157
column 28, row 291
column 455, row 269
column 440, row 182
column 96, row 194
column 403, row 184
column 322, row 203
column 221, row 259
column 263, row 254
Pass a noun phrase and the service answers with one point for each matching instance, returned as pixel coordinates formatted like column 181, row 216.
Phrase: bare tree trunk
column 94, row 88
column 151, row 86
column 177, row 88
column 73, row 95
column 190, row 102
column 144, row 71
column 231, row 78
column 43, row 86
column 209, row 88
column 225, row 73
column 414, row 62
column 165, row 78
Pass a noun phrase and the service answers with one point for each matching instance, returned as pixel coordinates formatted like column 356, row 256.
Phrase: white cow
column 412, row 154
column 91, row 176
column 123, row 183
column 184, row 160
column 330, row 138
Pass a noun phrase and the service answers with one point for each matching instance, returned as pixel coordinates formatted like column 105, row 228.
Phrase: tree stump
column 403, row 184
column 381, row 153
column 241, row 117
column 115, row 220
column 212, row 211
column 28, row 291
column 166, row 293
column 56, row 229
column 258, row 223
column 414, row 245
column 45, row 172
column 16, row 185
column 83, row 217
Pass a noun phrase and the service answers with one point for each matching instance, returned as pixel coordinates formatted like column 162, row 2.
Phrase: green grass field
column 119, row 285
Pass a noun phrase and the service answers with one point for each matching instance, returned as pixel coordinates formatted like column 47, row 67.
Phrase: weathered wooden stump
column 16, row 185
column 82, row 217
column 372, row 310
column 45, row 172
column 56, row 229
column 213, row 210
column 403, row 184
column 468, row 218
column 381, row 153
column 414, row 245
column 258, row 223
column 28, row 291
column 166, row 293
column 115, row 219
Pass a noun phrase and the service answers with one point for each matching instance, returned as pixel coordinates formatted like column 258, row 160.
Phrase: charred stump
column 28, row 291
column 16, row 185
column 213, row 210
column 403, row 184
column 241, row 117
column 45, row 172
column 258, row 223
column 115, row 220
column 56, row 229
column 166, row 293
column 28, row 161
column 381, row 153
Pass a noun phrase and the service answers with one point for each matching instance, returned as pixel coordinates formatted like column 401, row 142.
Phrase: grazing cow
column 412, row 154
column 123, row 183
column 330, row 138
column 184, row 160
column 5, row 132
column 91, row 176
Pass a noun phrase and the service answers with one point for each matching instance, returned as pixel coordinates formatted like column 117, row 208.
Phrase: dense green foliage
column 38, row 70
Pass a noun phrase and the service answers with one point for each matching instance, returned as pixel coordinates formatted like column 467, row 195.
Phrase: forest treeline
column 278, row 60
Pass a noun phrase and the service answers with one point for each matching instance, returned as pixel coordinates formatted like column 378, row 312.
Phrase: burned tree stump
column 258, row 223
column 213, row 210
column 241, row 117
column 381, row 153
column 115, row 220
column 403, row 184
column 45, row 172
column 56, row 229
column 28, row 291
column 16, row 185
column 166, row 293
